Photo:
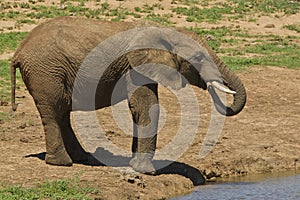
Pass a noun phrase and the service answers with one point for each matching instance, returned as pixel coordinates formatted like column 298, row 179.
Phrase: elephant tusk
column 220, row 87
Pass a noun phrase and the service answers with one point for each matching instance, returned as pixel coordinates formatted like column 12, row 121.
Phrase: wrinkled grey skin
column 49, row 59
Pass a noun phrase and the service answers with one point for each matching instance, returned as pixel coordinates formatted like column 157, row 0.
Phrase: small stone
column 210, row 37
column 209, row 174
column 3, row 103
column 62, row 7
column 25, row 140
column 22, row 126
column 130, row 180
column 269, row 26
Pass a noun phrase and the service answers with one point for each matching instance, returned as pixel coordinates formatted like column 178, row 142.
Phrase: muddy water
column 278, row 186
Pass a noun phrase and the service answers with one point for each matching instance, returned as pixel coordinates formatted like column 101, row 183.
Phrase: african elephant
column 49, row 59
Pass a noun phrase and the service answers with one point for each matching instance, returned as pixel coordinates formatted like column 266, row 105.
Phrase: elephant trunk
column 232, row 81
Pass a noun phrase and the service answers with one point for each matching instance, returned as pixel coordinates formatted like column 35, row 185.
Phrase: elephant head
column 232, row 81
column 188, row 56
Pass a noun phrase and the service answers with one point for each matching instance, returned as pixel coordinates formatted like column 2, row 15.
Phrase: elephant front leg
column 145, row 112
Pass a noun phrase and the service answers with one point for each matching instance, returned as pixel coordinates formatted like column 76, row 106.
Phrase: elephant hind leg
column 53, row 104
column 72, row 145
column 55, row 148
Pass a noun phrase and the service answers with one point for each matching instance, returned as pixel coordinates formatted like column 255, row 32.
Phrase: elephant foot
column 60, row 160
column 142, row 162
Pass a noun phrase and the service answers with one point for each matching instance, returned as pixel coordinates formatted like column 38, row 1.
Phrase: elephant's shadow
column 161, row 166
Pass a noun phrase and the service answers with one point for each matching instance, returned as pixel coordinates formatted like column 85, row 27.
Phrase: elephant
column 49, row 60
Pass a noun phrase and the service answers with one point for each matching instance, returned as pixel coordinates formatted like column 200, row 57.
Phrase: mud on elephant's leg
column 145, row 112
column 72, row 145
column 55, row 148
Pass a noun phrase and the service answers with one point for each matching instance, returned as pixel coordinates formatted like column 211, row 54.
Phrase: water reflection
column 272, row 187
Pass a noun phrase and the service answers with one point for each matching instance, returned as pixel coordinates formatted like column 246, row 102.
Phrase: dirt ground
column 264, row 137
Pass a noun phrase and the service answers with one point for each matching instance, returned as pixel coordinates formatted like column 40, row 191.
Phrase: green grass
column 236, row 47
column 222, row 35
column 12, row 14
column 267, row 6
column 25, row 21
column 198, row 11
column 274, row 51
column 212, row 14
column 10, row 41
column 161, row 19
column 40, row 12
column 146, row 8
column 4, row 70
column 67, row 189
column 4, row 91
column 3, row 117
column 4, row 81
column 293, row 27
column 234, row 9
column 241, row 63
column 24, row 5
column 267, row 53
column 117, row 14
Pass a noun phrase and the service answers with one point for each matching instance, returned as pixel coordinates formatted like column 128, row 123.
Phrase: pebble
column 269, row 26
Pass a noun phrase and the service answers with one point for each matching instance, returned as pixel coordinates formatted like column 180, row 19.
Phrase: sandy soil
column 264, row 137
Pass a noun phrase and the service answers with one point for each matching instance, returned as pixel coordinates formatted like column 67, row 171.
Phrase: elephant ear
column 157, row 65
column 191, row 73
column 150, row 45
column 139, row 57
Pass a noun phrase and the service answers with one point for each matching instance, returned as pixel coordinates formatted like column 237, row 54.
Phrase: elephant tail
column 13, row 66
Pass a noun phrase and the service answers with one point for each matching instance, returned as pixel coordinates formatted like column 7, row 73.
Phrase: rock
column 131, row 176
column 135, row 179
column 3, row 103
column 22, row 126
column 210, row 174
column 25, row 140
column 269, row 26
column 129, row 179
column 62, row 6
column 210, row 37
